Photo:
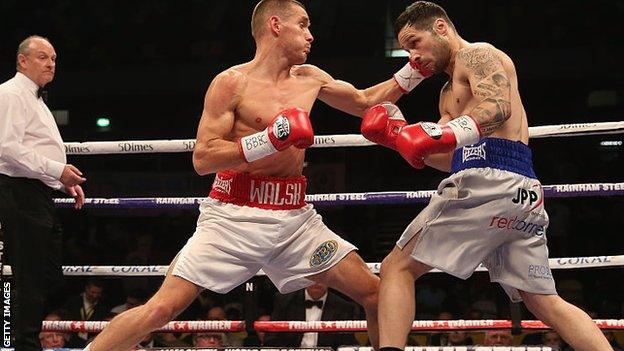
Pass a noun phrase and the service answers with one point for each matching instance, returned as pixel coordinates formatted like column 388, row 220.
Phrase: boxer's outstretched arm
column 212, row 151
column 489, row 84
column 345, row 97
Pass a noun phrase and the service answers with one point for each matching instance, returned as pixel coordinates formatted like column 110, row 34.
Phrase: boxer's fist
column 417, row 141
column 420, row 140
column 422, row 70
column 411, row 75
column 382, row 123
column 290, row 127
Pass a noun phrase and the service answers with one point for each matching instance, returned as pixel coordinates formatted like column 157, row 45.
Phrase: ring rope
column 155, row 270
column 317, row 326
column 320, row 141
column 369, row 198
column 417, row 325
column 452, row 348
column 347, row 348
column 172, row 327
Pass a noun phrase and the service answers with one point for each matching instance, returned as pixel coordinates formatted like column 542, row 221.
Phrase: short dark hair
column 94, row 282
column 266, row 8
column 421, row 15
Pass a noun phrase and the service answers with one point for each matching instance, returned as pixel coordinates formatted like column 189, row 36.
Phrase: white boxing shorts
column 491, row 211
column 249, row 223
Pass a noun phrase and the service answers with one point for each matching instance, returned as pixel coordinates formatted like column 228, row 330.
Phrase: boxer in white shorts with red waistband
column 269, row 218
column 491, row 208
column 253, row 132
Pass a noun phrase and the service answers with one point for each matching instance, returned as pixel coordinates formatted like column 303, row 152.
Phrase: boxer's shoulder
column 312, row 72
column 234, row 77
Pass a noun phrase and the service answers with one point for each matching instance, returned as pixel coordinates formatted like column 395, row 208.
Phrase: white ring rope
column 158, row 270
column 453, row 348
column 345, row 348
column 187, row 145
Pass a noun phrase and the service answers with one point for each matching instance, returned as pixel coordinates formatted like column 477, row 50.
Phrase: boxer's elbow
column 202, row 162
column 201, row 166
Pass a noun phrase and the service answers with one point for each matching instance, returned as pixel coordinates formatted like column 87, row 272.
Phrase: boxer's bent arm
column 489, row 84
column 441, row 162
column 212, row 151
column 345, row 97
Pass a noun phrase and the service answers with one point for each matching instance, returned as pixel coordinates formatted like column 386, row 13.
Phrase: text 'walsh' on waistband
column 272, row 193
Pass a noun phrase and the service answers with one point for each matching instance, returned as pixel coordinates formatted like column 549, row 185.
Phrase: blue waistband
column 512, row 156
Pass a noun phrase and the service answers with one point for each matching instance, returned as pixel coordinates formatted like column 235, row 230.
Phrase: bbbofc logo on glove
column 281, row 128
column 432, row 129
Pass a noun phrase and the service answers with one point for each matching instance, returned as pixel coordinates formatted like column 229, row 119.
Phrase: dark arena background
column 144, row 66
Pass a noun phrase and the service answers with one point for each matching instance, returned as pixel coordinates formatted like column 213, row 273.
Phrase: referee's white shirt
column 313, row 314
column 30, row 142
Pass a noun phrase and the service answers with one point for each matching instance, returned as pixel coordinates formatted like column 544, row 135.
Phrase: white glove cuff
column 256, row 146
column 408, row 78
column 466, row 130
column 393, row 111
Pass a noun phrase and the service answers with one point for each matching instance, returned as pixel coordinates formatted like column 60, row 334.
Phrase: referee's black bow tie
column 42, row 93
column 311, row 303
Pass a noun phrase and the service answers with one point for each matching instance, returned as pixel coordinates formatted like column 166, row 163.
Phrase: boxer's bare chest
column 456, row 99
column 261, row 100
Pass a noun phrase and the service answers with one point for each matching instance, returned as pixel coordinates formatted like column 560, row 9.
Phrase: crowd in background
column 437, row 299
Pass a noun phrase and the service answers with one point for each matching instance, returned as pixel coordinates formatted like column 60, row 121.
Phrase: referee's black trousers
column 33, row 247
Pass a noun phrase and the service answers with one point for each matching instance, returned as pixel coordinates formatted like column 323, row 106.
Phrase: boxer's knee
column 400, row 262
column 393, row 263
column 159, row 313
column 538, row 303
column 370, row 297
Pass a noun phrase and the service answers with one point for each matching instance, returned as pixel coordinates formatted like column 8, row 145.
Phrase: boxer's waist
column 512, row 156
column 273, row 193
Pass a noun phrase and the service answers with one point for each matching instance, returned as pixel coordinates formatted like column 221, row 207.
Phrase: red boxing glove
column 410, row 75
column 417, row 141
column 290, row 127
column 382, row 123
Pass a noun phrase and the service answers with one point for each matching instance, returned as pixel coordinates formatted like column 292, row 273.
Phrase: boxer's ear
column 275, row 25
column 440, row 26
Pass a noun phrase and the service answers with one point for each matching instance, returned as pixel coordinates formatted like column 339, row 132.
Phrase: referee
column 32, row 165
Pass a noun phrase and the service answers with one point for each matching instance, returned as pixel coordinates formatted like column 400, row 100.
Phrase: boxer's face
column 295, row 35
column 428, row 48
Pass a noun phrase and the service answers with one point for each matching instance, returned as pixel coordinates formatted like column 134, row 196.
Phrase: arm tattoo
column 490, row 86
column 481, row 61
column 491, row 113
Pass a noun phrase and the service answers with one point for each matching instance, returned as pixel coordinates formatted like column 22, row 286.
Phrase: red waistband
column 270, row 193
